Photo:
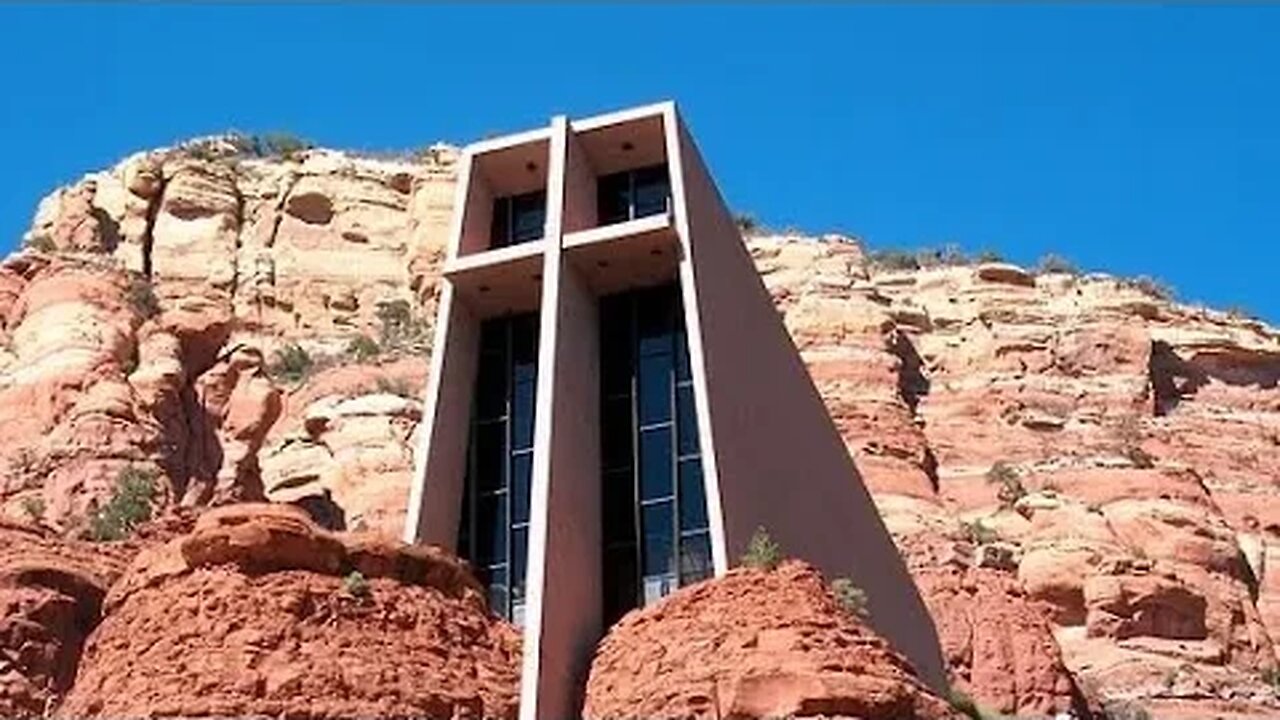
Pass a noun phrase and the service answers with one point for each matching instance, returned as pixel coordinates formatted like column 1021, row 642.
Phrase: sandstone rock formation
column 51, row 594
column 345, row 445
column 145, row 330
column 1041, row 427
column 260, row 613
column 1083, row 475
column 754, row 644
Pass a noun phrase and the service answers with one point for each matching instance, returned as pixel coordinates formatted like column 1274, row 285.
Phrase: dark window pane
column 521, row 480
column 659, row 536
column 621, row 588
column 693, row 500
column 491, row 387
column 615, row 370
column 528, row 216
column 651, row 191
column 613, row 194
column 655, row 464
column 524, row 346
column 655, row 389
column 619, row 500
column 686, row 420
column 490, row 455
column 654, row 316
column 615, row 434
column 519, row 556
column 493, row 336
column 695, row 558
column 500, row 228
column 491, row 526
column 522, row 416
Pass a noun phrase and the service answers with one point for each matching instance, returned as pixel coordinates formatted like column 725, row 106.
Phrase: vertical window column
column 494, row 528
column 655, row 518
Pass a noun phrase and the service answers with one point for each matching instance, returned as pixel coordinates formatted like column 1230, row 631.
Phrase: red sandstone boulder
column 754, row 644
column 257, row 613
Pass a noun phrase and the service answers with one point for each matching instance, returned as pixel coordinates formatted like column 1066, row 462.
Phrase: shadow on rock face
column 323, row 510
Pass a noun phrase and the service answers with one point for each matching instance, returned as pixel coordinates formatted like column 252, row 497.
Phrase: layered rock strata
column 1081, row 473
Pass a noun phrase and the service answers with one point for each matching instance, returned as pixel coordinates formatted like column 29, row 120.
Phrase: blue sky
column 1137, row 140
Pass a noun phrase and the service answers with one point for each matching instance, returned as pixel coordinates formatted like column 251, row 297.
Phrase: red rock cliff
column 1083, row 475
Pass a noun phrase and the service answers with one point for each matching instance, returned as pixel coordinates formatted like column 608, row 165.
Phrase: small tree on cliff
column 355, row 585
column 850, row 597
column 363, row 348
column 762, row 552
column 292, row 363
column 130, row 505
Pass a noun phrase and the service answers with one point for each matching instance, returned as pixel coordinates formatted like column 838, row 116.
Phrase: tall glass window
column 494, row 532
column 633, row 194
column 518, row 219
column 655, row 527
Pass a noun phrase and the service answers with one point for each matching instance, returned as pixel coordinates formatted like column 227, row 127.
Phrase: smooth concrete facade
column 772, row 457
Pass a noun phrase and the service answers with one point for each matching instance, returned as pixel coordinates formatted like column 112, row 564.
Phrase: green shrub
column 41, row 243
column 1052, row 263
column 892, row 259
column 747, row 224
column 142, row 297
column 206, row 150
column 1011, row 489
column 1240, row 312
column 130, row 504
column 762, row 552
column 850, row 597
column 1150, row 287
column 1271, row 676
column 949, row 255
column 401, row 330
column 989, row 256
column 277, row 144
column 363, row 347
column 34, row 508
column 355, row 585
column 292, row 363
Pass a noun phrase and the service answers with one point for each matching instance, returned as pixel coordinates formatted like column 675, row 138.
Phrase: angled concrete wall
column 780, row 462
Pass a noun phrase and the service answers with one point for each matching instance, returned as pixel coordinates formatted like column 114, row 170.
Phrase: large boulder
column 259, row 612
column 754, row 644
